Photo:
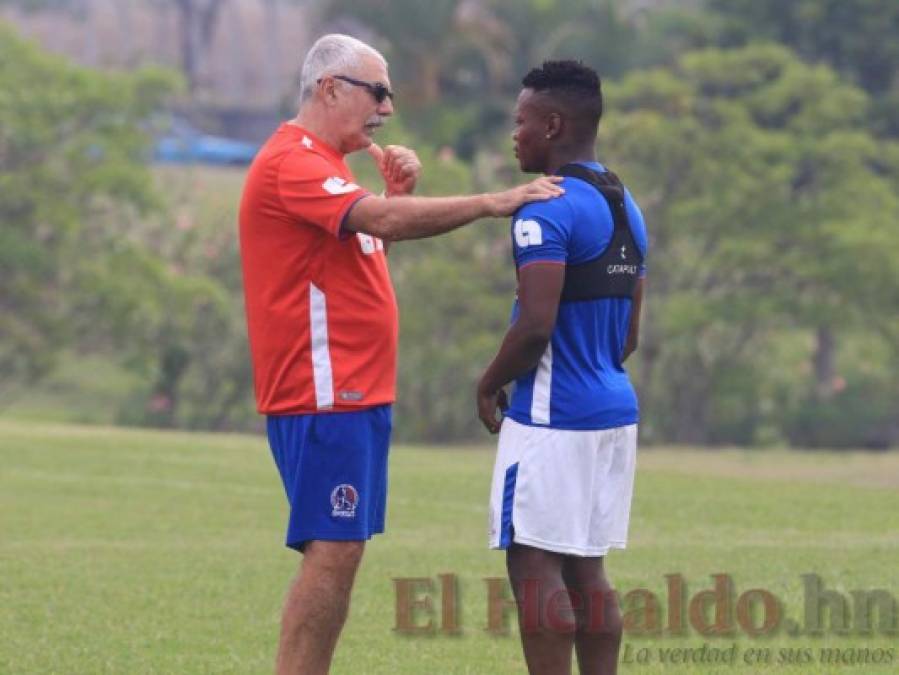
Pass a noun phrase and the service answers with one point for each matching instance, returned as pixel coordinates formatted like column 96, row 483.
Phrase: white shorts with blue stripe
column 563, row 491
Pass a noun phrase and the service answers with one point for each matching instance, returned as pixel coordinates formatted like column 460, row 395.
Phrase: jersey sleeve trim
column 547, row 261
column 342, row 232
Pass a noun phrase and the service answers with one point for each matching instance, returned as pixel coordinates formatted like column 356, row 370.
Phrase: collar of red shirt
column 299, row 132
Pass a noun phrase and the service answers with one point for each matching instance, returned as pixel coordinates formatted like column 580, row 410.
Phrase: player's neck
column 317, row 125
column 562, row 156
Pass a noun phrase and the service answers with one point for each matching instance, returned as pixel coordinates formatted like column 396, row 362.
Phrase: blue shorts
column 334, row 469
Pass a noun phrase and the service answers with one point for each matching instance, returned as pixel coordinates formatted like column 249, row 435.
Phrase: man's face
column 355, row 112
column 529, row 134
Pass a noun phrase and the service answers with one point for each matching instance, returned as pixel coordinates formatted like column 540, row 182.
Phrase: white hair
column 332, row 54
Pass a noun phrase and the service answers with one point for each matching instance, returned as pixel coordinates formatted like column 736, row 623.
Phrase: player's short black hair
column 573, row 83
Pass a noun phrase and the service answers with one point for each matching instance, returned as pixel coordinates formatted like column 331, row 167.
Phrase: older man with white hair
column 322, row 321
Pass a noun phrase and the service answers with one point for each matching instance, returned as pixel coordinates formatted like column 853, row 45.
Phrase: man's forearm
column 520, row 352
column 418, row 217
column 404, row 217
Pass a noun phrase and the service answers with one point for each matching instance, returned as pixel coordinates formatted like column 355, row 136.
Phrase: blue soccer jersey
column 579, row 382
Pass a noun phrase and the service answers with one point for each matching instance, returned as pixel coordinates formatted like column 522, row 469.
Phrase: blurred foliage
column 195, row 360
column 71, row 164
column 857, row 38
column 86, row 260
column 768, row 178
column 774, row 224
column 458, row 63
column 771, row 211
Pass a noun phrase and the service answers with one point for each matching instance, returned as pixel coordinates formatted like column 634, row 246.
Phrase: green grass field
column 146, row 552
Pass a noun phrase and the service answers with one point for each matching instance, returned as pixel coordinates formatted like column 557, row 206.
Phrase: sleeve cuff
column 337, row 225
column 543, row 261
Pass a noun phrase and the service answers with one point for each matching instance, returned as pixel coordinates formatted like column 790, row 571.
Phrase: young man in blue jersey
column 564, row 474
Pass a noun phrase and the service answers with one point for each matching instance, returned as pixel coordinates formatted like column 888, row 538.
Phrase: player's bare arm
column 405, row 217
column 539, row 290
column 633, row 333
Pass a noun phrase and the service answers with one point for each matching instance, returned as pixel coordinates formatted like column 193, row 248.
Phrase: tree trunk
column 197, row 28
column 187, row 28
column 173, row 362
column 237, row 58
column 692, row 406
column 825, row 370
column 429, row 82
column 273, row 54
column 125, row 17
column 90, row 47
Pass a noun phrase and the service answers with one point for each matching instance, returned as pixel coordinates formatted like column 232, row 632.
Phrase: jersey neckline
column 317, row 143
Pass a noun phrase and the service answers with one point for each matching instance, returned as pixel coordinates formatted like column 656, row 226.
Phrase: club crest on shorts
column 344, row 499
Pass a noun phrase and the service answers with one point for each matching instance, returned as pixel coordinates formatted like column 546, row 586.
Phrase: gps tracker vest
column 615, row 272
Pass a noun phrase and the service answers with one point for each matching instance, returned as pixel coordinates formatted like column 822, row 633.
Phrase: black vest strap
column 615, row 272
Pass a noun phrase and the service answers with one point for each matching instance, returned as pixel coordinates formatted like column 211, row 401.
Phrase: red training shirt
column 321, row 311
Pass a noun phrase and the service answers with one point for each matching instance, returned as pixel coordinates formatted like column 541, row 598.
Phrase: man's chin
column 361, row 142
column 524, row 167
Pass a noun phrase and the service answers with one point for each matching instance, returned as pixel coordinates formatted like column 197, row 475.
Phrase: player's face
column 358, row 112
column 529, row 133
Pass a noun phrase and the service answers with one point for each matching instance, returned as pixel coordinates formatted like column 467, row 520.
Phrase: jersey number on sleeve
column 369, row 243
column 528, row 233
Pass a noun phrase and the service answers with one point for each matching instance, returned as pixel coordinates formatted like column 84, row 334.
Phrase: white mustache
column 375, row 121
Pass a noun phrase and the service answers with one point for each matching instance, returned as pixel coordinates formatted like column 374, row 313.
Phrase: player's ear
column 553, row 125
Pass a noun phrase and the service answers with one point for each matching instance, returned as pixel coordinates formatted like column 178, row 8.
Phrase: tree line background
column 761, row 139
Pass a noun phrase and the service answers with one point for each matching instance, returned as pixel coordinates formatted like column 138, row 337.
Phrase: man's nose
column 385, row 107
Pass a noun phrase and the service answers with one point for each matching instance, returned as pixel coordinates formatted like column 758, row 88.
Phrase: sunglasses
column 378, row 91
